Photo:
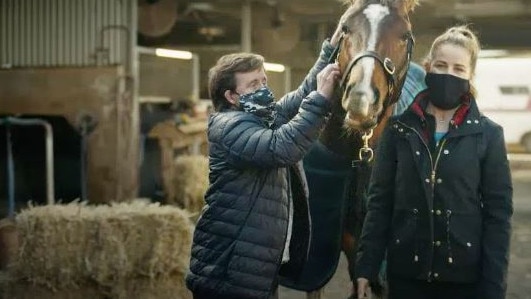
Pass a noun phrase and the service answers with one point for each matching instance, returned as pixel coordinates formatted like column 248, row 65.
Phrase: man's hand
column 327, row 79
column 364, row 289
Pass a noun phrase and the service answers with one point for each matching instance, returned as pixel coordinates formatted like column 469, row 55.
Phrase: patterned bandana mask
column 260, row 103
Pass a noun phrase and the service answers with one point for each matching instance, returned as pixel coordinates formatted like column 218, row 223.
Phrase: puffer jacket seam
column 238, row 240
column 219, row 281
column 255, row 213
column 239, row 271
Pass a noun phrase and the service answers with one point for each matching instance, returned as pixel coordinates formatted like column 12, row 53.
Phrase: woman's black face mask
column 445, row 90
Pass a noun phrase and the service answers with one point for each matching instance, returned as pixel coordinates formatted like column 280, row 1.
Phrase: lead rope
column 357, row 196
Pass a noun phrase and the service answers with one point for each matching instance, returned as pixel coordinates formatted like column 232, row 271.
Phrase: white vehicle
column 503, row 86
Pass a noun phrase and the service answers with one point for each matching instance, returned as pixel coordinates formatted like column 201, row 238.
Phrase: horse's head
column 374, row 53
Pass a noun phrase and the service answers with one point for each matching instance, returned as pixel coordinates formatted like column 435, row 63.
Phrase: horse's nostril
column 348, row 89
column 376, row 96
column 359, row 93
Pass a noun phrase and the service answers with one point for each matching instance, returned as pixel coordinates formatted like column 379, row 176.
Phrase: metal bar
column 84, row 146
column 246, row 26
column 19, row 35
column 196, row 75
column 287, row 80
column 3, row 35
column 10, row 174
column 50, row 192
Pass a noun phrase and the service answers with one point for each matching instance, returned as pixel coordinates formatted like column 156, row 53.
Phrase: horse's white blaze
column 374, row 13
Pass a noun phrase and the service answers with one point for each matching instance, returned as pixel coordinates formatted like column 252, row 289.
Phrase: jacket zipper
column 432, row 176
column 279, row 263
column 434, row 169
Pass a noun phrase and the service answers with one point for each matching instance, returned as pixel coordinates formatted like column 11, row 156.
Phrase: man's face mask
column 260, row 103
column 446, row 90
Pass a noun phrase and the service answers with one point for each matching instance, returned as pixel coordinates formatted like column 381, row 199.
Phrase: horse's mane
column 409, row 5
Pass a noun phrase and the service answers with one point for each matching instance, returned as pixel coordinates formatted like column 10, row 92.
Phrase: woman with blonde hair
column 440, row 197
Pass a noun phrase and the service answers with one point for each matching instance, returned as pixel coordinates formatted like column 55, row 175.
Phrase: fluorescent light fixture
column 493, row 53
column 173, row 54
column 274, row 67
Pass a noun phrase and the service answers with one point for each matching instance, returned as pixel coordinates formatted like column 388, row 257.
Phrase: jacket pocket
column 404, row 240
column 463, row 239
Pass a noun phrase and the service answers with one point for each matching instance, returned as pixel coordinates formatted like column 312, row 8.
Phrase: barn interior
column 96, row 71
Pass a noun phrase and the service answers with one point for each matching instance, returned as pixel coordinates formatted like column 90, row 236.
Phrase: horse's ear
column 349, row 2
column 410, row 5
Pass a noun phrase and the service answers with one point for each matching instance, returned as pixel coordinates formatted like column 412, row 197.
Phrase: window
column 514, row 90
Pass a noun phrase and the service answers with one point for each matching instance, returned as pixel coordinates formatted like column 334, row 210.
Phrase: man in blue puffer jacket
column 256, row 225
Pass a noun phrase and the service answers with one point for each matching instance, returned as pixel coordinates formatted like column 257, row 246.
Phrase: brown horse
column 373, row 54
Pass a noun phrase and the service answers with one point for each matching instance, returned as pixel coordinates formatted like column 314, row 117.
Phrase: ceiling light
column 213, row 31
column 274, row 67
column 493, row 53
column 173, row 54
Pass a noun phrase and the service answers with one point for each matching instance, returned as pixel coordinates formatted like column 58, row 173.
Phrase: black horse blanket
column 328, row 175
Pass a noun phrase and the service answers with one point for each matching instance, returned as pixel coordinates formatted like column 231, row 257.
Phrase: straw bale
column 25, row 290
column 172, row 287
column 167, row 288
column 66, row 246
column 191, row 181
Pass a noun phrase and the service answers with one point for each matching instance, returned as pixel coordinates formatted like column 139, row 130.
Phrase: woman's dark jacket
column 442, row 211
column 254, row 173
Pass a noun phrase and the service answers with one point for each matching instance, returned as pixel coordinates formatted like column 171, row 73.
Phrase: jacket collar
column 465, row 121
column 421, row 102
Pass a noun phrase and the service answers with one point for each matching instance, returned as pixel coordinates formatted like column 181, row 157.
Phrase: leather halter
column 366, row 153
column 387, row 64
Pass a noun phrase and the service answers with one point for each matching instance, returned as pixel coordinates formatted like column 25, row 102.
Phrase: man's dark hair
column 221, row 77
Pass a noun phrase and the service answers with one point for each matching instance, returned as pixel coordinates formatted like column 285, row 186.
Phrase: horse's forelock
column 407, row 5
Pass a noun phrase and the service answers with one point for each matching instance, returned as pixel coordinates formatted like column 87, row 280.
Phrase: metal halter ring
column 389, row 66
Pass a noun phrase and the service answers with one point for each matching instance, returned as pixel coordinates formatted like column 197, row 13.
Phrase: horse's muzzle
column 359, row 122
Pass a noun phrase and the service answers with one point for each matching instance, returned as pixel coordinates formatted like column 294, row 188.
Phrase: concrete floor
column 519, row 280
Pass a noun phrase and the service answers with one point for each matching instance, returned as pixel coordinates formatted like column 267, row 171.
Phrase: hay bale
column 140, row 288
column 26, row 290
column 191, row 182
column 103, row 248
column 168, row 288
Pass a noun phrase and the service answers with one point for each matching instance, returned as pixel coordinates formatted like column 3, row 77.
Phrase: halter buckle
column 366, row 154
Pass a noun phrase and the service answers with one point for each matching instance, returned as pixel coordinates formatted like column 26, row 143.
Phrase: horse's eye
column 345, row 29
